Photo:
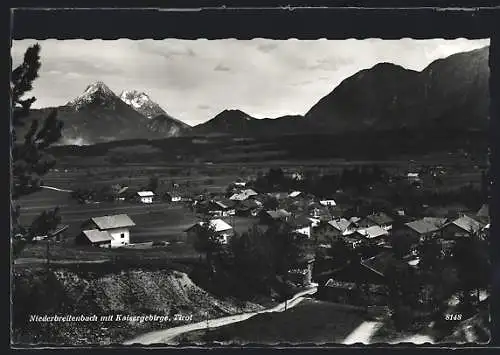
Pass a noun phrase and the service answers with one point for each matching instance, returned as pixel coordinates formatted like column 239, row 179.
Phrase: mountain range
column 452, row 92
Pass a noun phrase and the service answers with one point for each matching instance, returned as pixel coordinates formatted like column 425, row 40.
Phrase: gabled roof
column 354, row 219
column 96, row 236
column 300, row 222
column 423, row 226
column 248, row 204
column 243, row 195
column 218, row 224
column 220, row 204
column 122, row 190
column 115, row 221
column 374, row 232
column 294, row 193
column 437, row 221
column 340, row 224
column 467, row 223
column 173, row 193
column 484, row 211
column 327, row 201
column 380, row 218
column 145, row 193
column 278, row 214
column 58, row 230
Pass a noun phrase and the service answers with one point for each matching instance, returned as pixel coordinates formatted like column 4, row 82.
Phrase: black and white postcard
column 250, row 191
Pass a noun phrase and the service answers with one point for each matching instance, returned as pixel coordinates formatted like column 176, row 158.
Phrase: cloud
column 188, row 78
column 267, row 47
column 222, row 67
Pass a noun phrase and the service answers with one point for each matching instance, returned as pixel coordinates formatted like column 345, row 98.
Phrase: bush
column 402, row 317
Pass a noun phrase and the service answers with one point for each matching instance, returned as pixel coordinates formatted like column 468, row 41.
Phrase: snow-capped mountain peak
column 142, row 103
column 97, row 92
column 135, row 98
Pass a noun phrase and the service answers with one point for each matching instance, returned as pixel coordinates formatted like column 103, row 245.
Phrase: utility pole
column 48, row 253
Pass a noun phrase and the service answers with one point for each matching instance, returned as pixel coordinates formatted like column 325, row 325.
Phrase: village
column 354, row 249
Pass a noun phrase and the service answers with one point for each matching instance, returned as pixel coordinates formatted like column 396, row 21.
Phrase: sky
column 194, row 80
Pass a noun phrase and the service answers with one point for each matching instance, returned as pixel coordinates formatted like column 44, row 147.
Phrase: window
column 122, row 235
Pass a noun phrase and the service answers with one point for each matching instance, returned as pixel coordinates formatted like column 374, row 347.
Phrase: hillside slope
column 131, row 292
column 450, row 92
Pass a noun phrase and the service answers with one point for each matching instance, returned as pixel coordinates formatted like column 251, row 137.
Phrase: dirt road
column 167, row 335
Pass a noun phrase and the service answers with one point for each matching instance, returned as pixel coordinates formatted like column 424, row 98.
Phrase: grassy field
column 158, row 221
column 310, row 322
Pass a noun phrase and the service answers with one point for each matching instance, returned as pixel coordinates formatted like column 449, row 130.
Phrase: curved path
column 54, row 188
column 166, row 335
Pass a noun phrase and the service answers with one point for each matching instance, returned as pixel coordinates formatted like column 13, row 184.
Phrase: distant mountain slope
column 236, row 122
column 450, row 92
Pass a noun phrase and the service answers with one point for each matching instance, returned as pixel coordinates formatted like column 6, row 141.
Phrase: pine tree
column 29, row 159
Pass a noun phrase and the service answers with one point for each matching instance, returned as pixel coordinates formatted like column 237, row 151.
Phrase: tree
column 208, row 242
column 430, row 252
column 271, row 203
column 29, row 158
column 402, row 244
column 153, row 183
column 253, row 255
column 471, row 258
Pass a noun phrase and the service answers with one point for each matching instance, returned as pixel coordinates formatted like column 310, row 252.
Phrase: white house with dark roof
column 117, row 226
column 328, row 202
column 95, row 237
column 146, row 196
column 223, row 230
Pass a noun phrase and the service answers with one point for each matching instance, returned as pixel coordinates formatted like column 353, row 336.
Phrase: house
column 413, row 177
column 374, row 232
column 425, row 227
column 300, row 225
column 240, row 183
column 146, row 196
column 315, row 222
column 272, row 216
column 298, row 176
column 219, row 208
column 301, row 271
column 248, row 208
column 342, row 225
column 316, row 210
column 354, row 240
column 94, row 237
column 118, row 192
column 328, row 202
column 483, row 215
column 380, row 219
column 223, row 230
column 117, row 226
column 278, row 195
column 326, row 232
column 173, row 196
column 243, row 195
column 294, row 194
column 461, row 227
column 56, row 234
column 355, row 221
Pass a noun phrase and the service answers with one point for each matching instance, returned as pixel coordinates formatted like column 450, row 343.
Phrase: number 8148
column 453, row 316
